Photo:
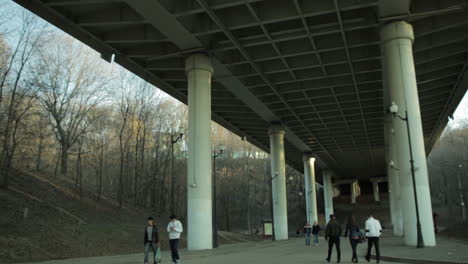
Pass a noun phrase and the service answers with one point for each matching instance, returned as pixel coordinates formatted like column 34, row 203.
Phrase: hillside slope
column 43, row 219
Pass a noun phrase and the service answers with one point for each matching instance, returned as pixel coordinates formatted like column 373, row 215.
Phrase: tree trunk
column 39, row 152
column 135, row 170
column 64, row 161
column 4, row 175
column 100, row 172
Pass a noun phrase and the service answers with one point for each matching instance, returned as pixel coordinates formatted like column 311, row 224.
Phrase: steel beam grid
column 315, row 65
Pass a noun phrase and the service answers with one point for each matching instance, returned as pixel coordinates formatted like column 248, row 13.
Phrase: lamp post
column 460, row 189
column 216, row 154
column 174, row 139
column 394, row 110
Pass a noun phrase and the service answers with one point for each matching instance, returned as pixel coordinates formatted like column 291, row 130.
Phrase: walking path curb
column 416, row 261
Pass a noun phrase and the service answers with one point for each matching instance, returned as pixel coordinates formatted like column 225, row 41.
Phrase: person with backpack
column 307, row 233
column 354, row 232
column 315, row 232
column 332, row 234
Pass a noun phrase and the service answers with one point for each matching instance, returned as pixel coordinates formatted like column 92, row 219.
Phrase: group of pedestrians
column 151, row 240
column 312, row 231
column 333, row 232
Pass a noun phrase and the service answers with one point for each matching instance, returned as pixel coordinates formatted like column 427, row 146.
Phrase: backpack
column 355, row 232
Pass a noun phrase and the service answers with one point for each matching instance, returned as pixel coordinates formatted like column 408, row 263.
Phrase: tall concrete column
column 400, row 80
column 278, row 175
column 199, row 194
column 327, row 194
column 375, row 189
column 310, row 188
column 353, row 192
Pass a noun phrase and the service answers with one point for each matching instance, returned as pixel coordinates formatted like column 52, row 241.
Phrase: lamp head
column 393, row 108
column 300, row 193
column 391, row 163
column 290, row 178
column 180, row 131
column 222, row 148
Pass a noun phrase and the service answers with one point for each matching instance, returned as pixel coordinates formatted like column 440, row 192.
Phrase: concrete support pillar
column 327, row 194
column 400, row 80
column 199, row 194
column 278, row 182
column 310, row 188
column 353, row 192
column 375, row 189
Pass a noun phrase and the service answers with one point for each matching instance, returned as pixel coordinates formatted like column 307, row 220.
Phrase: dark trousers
column 174, row 243
column 373, row 241
column 334, row 241
column 354, row 243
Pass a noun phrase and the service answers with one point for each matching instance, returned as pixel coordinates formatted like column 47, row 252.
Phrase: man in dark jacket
column 151, row 239
column 332, row 234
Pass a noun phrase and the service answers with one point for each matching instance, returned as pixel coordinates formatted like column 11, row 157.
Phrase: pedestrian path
column 447, row 251
column 294, row 251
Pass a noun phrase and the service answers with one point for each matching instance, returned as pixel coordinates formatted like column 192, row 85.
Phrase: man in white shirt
column 373, row 232
column 174, row 228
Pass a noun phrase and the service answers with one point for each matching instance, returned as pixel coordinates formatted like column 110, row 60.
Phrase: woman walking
column 315, row 232
column 354, row 232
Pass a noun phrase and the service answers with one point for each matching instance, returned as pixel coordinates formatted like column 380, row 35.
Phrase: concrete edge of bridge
column 413, row 261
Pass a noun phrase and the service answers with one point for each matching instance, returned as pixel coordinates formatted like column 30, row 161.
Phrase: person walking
column 174, row 228
column 151, row 240
column 307, row 233
column 315, row 232
column 373, row 232
column 354, row 232
column 332, row 234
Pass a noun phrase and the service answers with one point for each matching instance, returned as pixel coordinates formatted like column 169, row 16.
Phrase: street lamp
column 174, row 139
column 216, row 154
column 460, row 188
column 394, row 110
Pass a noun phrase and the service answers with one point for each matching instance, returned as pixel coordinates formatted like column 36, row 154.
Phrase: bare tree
column 16, row 94
column 71, row 83
column 99, row 139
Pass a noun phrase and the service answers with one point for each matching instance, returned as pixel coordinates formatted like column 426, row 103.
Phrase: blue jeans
column 150, row 246
column 307, row 239
column 315, row 238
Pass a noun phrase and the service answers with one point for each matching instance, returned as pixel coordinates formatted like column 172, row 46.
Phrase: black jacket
column 353, row 231
column 333, row 229
column 154, row 234
column 316, row 229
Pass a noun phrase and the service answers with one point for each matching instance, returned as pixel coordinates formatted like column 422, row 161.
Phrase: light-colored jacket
column 373, row 227
column 178, row 229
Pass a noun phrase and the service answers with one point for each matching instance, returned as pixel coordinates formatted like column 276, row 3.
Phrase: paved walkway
column 291, row 251
column 446, row 251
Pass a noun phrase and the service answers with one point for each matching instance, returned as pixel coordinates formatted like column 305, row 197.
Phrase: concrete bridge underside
column 315, row 66
column 305, row 80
